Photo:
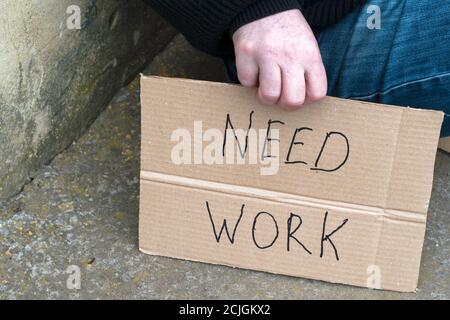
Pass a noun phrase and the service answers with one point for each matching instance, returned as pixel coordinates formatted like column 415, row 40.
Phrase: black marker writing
column 329, row 134
column 327, row 237
column 228, row 125
column 293, row 143
column 268, row 139
column 224, row 225
column 290, row 232
column 254, row 229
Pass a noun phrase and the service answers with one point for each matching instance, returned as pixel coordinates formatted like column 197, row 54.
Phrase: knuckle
column 246, row 77
column 296, row 103
column 316, row 60
column 269, row 96
column 245, row 47
column 317, row 94
column 293, row 103
column 246, row 82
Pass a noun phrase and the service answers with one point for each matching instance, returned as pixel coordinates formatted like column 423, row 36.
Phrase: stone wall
column 61, row 61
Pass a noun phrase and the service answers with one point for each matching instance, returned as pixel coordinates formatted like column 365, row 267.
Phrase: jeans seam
column 394, row 38
column 384, row 92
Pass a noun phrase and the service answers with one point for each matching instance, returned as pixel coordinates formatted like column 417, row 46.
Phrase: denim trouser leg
column 406, row 62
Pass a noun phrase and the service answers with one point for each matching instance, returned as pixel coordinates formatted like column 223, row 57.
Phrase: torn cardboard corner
column 444, row 144
column 336, row 191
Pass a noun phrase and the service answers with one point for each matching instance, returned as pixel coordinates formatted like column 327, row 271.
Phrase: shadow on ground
column 82, row 210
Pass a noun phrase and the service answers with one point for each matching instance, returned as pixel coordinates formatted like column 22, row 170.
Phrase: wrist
column 262, row 9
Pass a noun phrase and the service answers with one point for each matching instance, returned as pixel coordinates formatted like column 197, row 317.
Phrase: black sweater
column 209, row 24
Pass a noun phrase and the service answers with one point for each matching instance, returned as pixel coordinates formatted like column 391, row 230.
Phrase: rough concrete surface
column 61, row 62
column 82, row 210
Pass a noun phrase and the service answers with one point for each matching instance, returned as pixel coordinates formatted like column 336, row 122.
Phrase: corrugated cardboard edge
column 399, row 168
column 222, row 84
column 155, row 254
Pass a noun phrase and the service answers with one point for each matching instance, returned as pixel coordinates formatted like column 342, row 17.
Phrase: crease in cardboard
column 388, row 190
column 394, row 157
column 379, row 238
column 281, row 197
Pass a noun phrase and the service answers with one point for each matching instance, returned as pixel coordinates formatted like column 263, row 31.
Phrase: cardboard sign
column 336, row 191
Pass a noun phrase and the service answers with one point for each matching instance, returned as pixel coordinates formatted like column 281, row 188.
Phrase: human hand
column 280, row 55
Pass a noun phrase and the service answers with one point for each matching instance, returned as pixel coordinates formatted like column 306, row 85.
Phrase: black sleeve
column 208, row 24
column 324, row 13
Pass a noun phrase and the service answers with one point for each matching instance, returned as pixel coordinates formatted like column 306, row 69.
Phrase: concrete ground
column 81, row 211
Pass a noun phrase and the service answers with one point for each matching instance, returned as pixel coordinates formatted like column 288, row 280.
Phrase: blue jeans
column 406, row 62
